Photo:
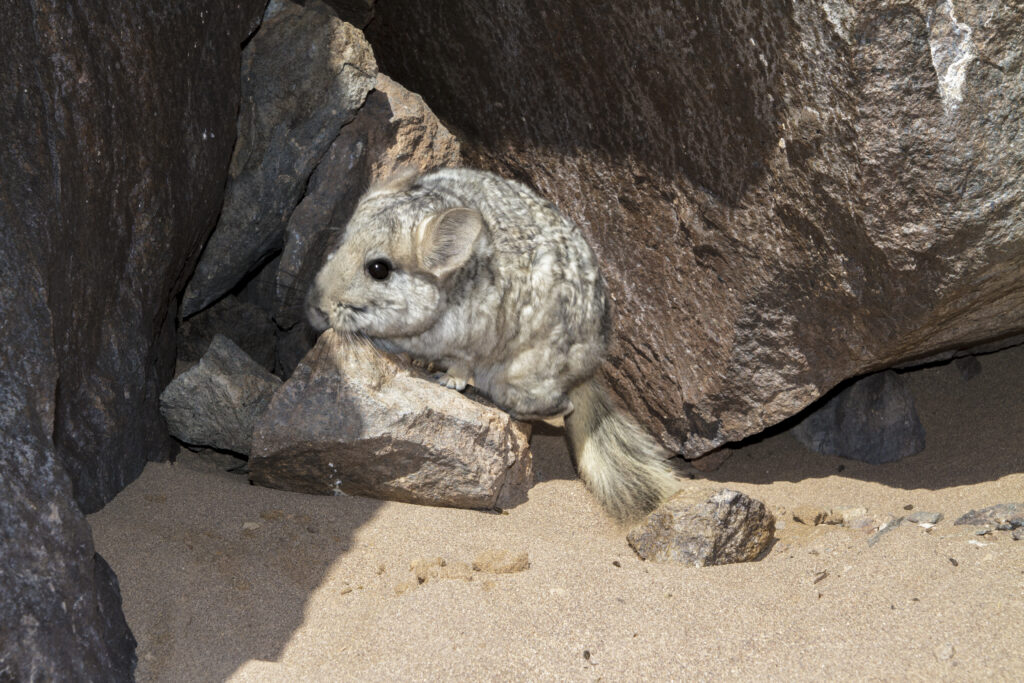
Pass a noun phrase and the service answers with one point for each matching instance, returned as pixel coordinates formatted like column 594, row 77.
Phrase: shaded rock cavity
column 872, row 420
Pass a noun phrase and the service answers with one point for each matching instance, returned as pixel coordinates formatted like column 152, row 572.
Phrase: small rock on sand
column 1005, row 515
column 699, row 529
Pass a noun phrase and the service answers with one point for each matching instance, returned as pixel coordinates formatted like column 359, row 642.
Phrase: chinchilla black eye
column 379, row 269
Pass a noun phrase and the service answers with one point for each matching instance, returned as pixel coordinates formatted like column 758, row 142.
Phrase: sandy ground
column 226, row 581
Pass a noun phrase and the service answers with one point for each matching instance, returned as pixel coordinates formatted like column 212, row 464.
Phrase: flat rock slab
column 704, row 528
column 354, row 420
column 216, row 403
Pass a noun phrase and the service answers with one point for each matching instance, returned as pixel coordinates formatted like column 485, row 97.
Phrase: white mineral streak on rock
column 953, row 50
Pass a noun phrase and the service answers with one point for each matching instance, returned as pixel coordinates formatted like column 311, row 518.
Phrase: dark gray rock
column 292, row 347
column 782, row 195
column 113, row 166
column 304, row 75
column 699, row 529
column 47, row 562
column 260, row 288
column 969, row 366
column 218, row 402
column 353, row 420
column 872, row 420
column 1006, row 515
column 246, row 324
column 356, row 12
column 394, row 130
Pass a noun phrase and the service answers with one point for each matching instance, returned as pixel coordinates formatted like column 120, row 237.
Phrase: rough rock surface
column 872, row 420
column 353, row 420
column 783, row 195
column 244, row 323
column 217, row 402
column 113, row 165
column 393, row 130
column 699, row 529
column 1003, row 516
column 304, row 75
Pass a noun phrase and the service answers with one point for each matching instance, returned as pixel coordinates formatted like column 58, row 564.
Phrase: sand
column 226, row 581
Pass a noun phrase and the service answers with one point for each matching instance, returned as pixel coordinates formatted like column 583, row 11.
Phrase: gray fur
column 494, row 284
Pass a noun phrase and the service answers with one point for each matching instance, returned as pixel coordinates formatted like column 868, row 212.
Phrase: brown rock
column 353, row 420
column 783, row 195
column 699, row 529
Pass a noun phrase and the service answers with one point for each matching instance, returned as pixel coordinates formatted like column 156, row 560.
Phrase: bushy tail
column 622, row 465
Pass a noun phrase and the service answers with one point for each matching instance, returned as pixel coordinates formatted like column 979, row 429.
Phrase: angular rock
column 782, row 195
column 1004, row 515
column 247, row 325
column 218, row 402
column 119, row 120
column 699, row 529
column 304, row 75
column 394, row 130
column 353, row 420
column 872, row 420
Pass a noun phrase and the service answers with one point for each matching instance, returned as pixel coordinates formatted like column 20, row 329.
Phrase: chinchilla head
column 386, row 277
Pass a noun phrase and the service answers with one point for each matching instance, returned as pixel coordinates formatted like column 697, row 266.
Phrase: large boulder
column 113, row 166
column 783, row 195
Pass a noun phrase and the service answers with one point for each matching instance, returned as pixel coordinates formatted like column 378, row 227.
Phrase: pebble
column 922, row 517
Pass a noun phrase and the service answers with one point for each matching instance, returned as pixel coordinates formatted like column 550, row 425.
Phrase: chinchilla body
column 480, row 276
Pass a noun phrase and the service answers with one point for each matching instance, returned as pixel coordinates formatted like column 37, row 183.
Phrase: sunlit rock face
column 783, row 195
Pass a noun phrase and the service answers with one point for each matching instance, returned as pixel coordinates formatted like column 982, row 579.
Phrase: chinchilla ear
column 399, row 181
column 445, row 241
